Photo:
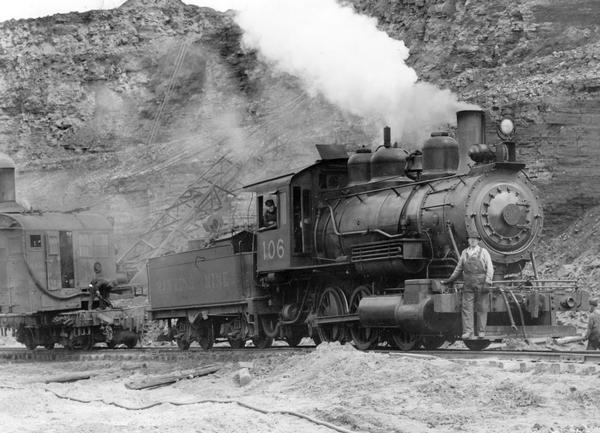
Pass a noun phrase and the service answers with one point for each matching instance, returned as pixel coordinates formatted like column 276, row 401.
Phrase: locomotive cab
column 289, row 243
column 273, row 237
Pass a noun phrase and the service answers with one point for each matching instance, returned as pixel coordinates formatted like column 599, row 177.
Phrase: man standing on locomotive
column 593, row 332
column 475, row 264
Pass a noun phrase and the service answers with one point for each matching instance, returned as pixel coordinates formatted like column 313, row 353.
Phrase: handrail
column 358, row 232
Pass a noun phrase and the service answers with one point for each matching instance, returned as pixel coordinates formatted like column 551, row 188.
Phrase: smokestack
column 470, row 130
column 387, row 137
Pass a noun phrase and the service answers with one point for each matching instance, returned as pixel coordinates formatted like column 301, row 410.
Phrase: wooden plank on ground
column 70, row 377
column 155, row 382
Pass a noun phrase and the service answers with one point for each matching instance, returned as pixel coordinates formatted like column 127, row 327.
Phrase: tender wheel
column 207, row 339
column 477, row 344
column 403, row 340
column 183, row 344
column 331, row 303
column 49, row 345
column 262, row 342
column 28, row 339
column 132, row 340
column 363, row 338
column 432, row 342
column 183, row 334
column 236, row 343
column 82, row 342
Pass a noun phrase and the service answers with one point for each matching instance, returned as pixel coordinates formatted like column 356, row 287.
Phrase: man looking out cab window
column 270, row 216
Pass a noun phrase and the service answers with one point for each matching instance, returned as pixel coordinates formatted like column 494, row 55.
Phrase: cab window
column 35, row 241
column 268, row 211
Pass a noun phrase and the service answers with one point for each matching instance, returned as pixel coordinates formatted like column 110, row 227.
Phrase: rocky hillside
column 539, row 57
column 120, row 110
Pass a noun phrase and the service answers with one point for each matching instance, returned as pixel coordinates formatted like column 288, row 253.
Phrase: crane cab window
column 35, row 241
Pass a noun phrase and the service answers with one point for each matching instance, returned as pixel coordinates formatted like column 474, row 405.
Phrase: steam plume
column 343, row 56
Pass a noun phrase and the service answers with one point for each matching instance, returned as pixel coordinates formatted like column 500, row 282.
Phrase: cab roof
column 329, row 153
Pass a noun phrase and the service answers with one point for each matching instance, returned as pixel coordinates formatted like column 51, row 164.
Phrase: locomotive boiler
column 360, row 245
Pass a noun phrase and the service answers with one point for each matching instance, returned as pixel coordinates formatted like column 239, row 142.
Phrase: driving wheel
column 403, row 340
column 432, row 342
column 363, row 338
column 332, row 302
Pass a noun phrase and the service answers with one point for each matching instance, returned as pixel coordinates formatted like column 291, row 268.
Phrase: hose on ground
column 205, row 401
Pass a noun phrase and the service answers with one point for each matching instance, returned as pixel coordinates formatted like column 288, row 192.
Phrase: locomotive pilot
column 475, row 265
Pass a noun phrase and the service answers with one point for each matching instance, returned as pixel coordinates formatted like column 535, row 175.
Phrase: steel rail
column 249, row 353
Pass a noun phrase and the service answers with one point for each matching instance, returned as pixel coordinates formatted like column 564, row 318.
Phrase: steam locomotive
column 354, row 249
column 47, row 260
column 359, row 247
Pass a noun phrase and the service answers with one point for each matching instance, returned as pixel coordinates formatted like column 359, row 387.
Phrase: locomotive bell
column 481, row 153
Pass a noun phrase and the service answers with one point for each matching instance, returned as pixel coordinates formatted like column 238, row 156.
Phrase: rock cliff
column 119, row 110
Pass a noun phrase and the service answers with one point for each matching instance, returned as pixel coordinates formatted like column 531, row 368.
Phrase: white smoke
column 343, row 56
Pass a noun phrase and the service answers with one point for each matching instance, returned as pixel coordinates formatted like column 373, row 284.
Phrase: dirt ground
column 356, row 391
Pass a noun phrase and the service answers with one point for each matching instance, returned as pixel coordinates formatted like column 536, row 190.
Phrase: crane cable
column 178, row 62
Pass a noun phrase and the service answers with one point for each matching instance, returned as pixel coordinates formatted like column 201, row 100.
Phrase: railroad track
column 147, row 354
column 582, row 356
column 226, row 354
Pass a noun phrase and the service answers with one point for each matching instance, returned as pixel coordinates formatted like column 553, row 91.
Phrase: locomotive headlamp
column 506, row 128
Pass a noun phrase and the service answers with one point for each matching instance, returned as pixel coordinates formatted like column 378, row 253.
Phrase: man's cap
column 594, row 302
column 270, row 203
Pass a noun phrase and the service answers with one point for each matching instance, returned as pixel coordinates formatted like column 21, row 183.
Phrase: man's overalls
column 474, row 276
